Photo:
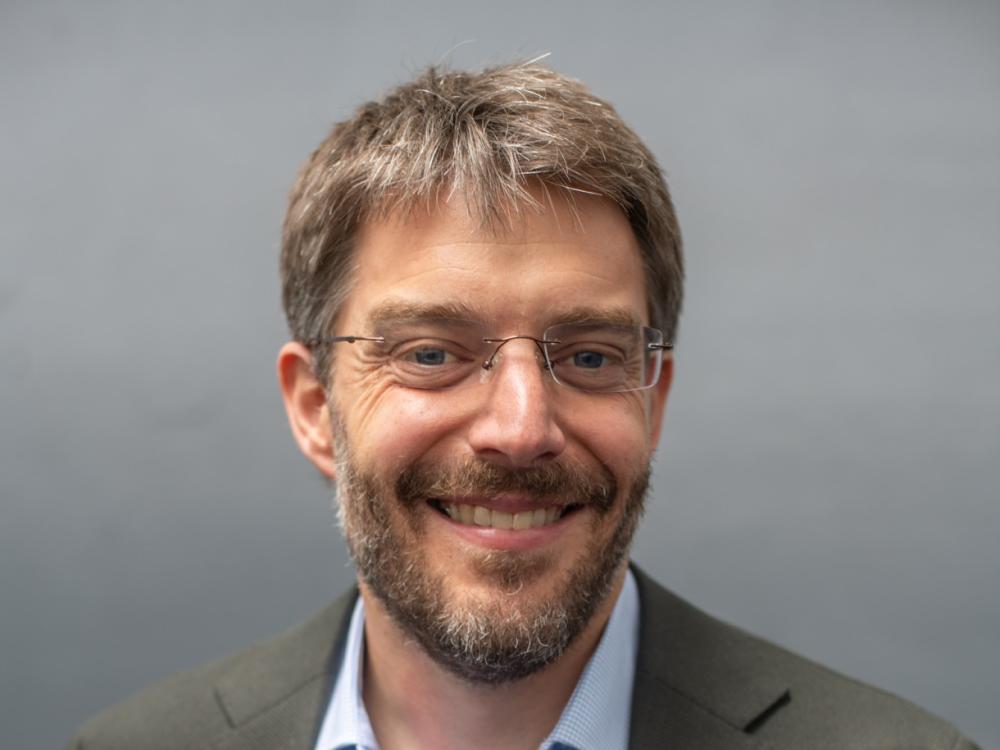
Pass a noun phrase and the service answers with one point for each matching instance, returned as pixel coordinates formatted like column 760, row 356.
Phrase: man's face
column 431, row 483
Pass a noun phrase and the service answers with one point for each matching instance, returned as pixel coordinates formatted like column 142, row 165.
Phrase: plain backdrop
column 828, row 476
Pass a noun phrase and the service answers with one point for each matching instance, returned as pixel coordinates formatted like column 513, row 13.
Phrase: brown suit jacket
column 700, row 684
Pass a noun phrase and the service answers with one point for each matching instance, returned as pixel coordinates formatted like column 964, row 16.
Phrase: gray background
column 828, row 476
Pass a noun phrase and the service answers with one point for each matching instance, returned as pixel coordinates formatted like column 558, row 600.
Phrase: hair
column 488, row 136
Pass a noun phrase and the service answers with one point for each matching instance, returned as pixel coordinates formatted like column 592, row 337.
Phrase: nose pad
column 496, row 359
column 497, row 355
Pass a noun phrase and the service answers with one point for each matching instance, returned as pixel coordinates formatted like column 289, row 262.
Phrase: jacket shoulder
column 765, row 691
column 828, row 709
column 202, row 707
column 181, row 711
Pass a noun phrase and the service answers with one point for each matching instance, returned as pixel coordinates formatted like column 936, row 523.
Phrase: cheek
column 395, row 426
column 615, row 431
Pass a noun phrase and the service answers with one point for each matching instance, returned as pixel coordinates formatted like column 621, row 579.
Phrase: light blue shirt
column 595, row 718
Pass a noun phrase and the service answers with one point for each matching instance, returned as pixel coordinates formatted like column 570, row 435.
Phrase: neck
column 414, row 702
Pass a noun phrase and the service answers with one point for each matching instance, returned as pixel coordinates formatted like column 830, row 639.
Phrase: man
column 482, row 276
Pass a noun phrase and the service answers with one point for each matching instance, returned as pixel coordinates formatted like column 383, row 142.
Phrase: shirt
column 596, row 717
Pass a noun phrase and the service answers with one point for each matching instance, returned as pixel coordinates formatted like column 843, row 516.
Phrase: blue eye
column 588, row 360
column 429, row 357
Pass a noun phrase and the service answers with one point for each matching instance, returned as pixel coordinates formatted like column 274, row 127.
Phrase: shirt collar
column 595, row 718
column 346, row 722
column 597, row 714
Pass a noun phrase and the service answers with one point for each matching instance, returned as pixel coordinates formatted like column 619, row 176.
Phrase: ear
column 305, row 404
column 659, row 399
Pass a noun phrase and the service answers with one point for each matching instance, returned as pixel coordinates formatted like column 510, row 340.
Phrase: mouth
column 467, row 514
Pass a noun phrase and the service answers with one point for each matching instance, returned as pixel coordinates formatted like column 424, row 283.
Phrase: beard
column 502, row 638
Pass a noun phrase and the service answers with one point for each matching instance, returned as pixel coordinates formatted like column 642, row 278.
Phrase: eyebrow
column 392, row 312
column 398, row 311
column 616, row 316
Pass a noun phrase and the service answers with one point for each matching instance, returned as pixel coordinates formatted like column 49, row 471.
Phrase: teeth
column 477, row 515
column 522, row 520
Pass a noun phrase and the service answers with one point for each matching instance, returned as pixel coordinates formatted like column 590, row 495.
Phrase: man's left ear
column 659, row 400
column 306, row 406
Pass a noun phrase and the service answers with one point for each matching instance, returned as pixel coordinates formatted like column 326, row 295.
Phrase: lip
column 504, row 539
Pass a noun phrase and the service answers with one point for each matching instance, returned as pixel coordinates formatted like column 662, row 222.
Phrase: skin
column 550, row 263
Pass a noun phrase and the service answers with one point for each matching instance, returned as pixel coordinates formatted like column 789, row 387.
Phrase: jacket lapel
column 699, row 683
column 275, row 699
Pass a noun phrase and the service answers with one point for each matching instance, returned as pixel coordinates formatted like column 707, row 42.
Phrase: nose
column 517, row 424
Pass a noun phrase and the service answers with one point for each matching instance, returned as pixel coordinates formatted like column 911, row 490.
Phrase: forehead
column 568, row 255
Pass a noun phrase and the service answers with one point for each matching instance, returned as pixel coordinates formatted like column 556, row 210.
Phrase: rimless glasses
column 597, row 357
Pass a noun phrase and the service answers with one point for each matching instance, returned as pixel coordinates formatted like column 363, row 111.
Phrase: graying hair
column 487, row 136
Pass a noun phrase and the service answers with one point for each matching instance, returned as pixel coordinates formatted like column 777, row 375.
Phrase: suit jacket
column 700, row 684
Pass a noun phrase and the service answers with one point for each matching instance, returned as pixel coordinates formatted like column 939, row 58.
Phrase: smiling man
column 482, row 277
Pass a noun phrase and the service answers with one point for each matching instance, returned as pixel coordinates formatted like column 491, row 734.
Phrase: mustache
column 557, row 482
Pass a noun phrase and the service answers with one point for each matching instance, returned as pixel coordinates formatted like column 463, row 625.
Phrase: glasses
column 592, row 357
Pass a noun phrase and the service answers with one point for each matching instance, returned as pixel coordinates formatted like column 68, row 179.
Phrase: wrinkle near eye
column 367, row 394
column 363, row 371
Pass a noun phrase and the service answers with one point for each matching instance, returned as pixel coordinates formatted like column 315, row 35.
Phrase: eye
column 589, row 360
column 430, row 356
column 589, row 356
column 590, row 365
column 428, row 353
column 431, row 363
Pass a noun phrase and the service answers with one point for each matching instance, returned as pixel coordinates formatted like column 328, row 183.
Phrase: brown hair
column 487, row 136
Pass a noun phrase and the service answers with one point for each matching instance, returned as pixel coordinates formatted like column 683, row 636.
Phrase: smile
column 479, row 515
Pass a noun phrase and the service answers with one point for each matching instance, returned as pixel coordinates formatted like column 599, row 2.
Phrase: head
column 487, row 137
column 492, row 516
